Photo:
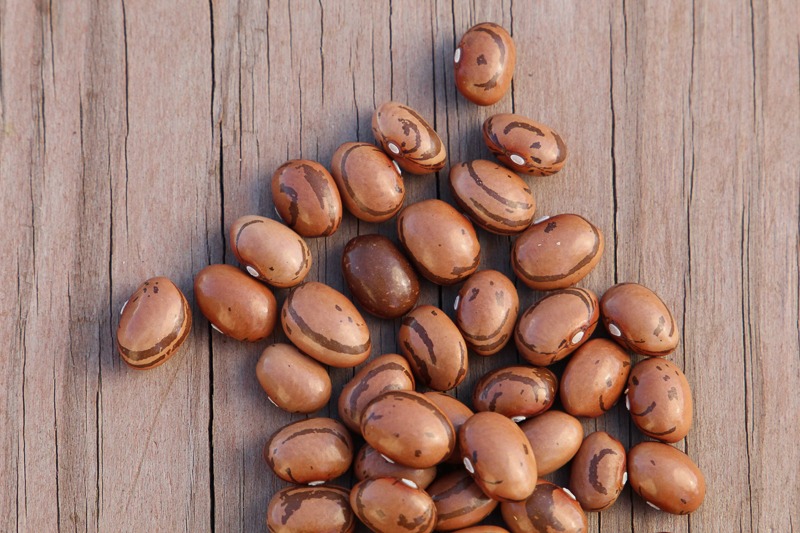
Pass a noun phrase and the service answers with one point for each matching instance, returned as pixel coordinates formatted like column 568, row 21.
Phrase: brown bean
column 153, row 324
column 550, row 508
column 387, row 505
column 639, row 320
column 660, row 400
column 557, row 252
column 323, row 323
column 382, row 374
column 486, row 311
column 524, row 145
column 598, row 471
column 379, row 276
column 306, row 198
column 555, row 438
column 594, row 378
column 270, row 251
column 236, row 305
column 408, row 138
column 322, row 509
column 495, row 198
column 310, row 451
column 433, row 347
column 292, row 380
column 408, row 428
column 517, row 392
column 455, row 411
column 460, row 502
column 440, row 241
column 482, row 529
column 498, row 455
column 666, row 477
column 484, row 63
column 370, row 183
column 370, row 464
column 556, row 325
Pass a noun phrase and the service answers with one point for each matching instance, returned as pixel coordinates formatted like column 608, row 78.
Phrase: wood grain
column 132, row 134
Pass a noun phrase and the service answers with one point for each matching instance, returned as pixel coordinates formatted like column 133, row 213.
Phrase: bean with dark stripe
column 486, row 311
column 594, row 378
column 370, row 184
column 408, row 138
column 497, row 454
column 382, row 374
column 455, row 411
column 408, row 428
column 484, row 63
column 310, row 451
column 524, row 145
column 292, row 380
column 270, row 251
column 387, row 505
column 518, row 392
column 370, row 464
column 639, row 320
column 154, row 322
column 666, row 477
column 325, row 509
column 324, row 324
column 306, row 198
column 660, row 400
column 550, row 509
column 557, row 252
column 460, row 502
column 440, row 241
column 434, row 348
column 598, row 471
column 556, row 325
column 555, row 438
column 495, row 198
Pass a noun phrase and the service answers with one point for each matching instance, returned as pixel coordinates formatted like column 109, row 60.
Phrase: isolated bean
column 486, row 311
column 236, row 305
column 306, row 198
column 556, row 325
column 594, row 378
column 660, row 400
column 408, row 138
column 550, row 508
column 455, row 411
column 408, row 428
column 484, row 63
column 382, row 374
column 323, row 323
column 524, row 145
column 270, row 251
column 370, row 184
column 292, row 380
column 495, row 198
column 460, row 502
column 325, row 509
column 555, row 438
column 557, row 252
column 498, row 455
column 387, row 505
column 379, row 276
column 440, row 241
column 639, row 320
column 370, row 464
column 517, row 392
column 153, row 324
column 311, row 451
column 598, row 471
column 666, row 477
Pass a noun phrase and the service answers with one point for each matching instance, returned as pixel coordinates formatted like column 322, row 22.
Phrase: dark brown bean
column 370, row 464
column 524, row 145
column 556, row 325
column 484, row 63
column 517, row 392
column 495, row 198
column 306, row 198
column 408, row 138
column 387, row 505
column 594, row 378
column 666, row 478
column 598, row 471
column 234, row 303
column 550, row 508
column 153, row 324
column 486, row 311
column 379, row 276
column 460, row 502
column 292, row 380
column 557, row 252
column 555, row 438
column 322, row 509
column 660, row 400
column 639, row 320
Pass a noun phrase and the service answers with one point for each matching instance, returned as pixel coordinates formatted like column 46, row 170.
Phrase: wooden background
column 132, row 133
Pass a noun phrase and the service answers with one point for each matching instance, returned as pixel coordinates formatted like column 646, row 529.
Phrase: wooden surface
column 133, row 133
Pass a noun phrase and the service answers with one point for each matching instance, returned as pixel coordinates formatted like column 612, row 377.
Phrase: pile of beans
column 429, row 461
